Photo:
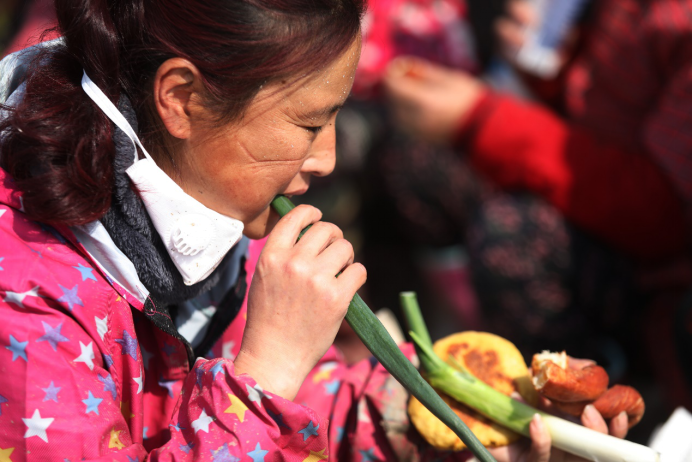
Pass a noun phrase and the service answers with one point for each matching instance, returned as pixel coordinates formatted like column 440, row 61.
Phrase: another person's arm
column 621, row 197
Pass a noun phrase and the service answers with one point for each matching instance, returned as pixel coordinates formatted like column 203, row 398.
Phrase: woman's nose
column 322, row 159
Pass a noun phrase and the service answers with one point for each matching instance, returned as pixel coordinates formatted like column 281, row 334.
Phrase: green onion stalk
column 461, row 385
column 378, row 341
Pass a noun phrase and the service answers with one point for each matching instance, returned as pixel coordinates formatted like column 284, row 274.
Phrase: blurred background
column 477, row 222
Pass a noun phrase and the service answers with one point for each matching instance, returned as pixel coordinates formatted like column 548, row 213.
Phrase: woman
column 109, row 289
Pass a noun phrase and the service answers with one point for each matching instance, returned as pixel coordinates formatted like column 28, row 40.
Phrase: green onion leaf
column 376, row 338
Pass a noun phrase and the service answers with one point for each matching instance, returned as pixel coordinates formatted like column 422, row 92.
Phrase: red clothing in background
column 40, row 17
column 619, row 164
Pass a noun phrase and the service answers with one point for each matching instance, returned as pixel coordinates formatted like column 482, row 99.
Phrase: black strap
column 226, row 312
column 161, row 315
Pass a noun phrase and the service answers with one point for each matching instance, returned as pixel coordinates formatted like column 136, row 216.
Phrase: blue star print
column 108, row 384
column 1, row 259
column 222, row 454
column 310, row 430
column 55, row 234
column 37, row 252
column 144, row 433
column 136, row 459
column 107, row 360
column 340, row 434
column 186, row 447
column 92, row 404
column 218, row 367
column 199, row 372
column 52, row 335
column 258, row 454
column 2, row 400
column 176, row 427
column 51, row 392
column 128, row 344
column 278, row 419
column 17, row 348
column 70, row 297
column 331, row 388
column 85, row 272
column 167, row 384
column 168, row 349
column 367, row 456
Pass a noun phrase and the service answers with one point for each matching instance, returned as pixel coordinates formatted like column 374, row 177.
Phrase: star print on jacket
column 52, row 335
column 83, row 357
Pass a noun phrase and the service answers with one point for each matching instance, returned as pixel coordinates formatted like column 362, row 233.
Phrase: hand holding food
column 452, row 377
column 570, row 389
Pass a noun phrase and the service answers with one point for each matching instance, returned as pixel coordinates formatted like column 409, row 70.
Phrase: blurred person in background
column 583, row 217
column 24, row 22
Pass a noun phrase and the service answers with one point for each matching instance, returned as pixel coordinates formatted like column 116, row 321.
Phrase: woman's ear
column 176, row 82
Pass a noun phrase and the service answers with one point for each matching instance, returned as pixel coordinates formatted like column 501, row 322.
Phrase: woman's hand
column 296, row 304
column 539, row 448
column 428, row 100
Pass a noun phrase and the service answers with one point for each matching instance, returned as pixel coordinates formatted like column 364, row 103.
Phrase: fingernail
column 623, row 416
column 538, row 423
column 590, row 413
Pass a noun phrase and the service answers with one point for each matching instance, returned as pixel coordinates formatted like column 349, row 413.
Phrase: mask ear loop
column 112, row 112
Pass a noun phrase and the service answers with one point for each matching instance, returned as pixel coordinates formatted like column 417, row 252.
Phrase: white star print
column 226, row 348
column 2, row 212
column 362, row 411
column 36, row 426
column 202, row 422
column 256, row 393
column 18, row 297
column 101, row 325
column 86, row 356
column 138, row 381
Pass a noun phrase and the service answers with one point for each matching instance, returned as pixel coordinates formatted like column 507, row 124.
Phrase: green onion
column 467, row 389
column 378, row 341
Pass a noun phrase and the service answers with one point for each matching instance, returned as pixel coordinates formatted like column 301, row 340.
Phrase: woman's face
column 286, row 136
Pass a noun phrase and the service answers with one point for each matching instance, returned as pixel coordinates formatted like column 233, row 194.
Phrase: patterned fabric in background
column 540, row 282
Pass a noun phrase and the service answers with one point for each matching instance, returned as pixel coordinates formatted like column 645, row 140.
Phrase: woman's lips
column 296, row 193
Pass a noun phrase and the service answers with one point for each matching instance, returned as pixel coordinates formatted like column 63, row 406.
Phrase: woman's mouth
column 296, row 193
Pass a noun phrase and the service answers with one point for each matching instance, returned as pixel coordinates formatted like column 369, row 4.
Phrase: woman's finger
column 402, row 87
column 353, row 277
column 591, row 418
column 618, row 426
column 417, row 69
column 287, row 229
column 578, row 363
column 540, row 450
column 319, row 237
column 337, row 256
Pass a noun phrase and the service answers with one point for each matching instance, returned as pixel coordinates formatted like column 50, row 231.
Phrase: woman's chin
column 261, row 226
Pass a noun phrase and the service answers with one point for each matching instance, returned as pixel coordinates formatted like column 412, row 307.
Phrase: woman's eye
column 314, row 130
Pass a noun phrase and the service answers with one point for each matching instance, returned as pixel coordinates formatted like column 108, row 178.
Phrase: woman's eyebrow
column 327, row 111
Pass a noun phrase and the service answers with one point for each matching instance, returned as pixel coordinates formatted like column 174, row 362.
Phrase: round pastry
column 493, row 360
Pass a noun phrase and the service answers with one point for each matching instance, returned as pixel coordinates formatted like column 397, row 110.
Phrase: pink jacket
column 87, row 376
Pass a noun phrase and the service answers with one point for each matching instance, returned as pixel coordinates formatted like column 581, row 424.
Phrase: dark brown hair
column 57, row 144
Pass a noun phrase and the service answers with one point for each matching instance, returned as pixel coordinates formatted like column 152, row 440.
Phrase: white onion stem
column 565, row 435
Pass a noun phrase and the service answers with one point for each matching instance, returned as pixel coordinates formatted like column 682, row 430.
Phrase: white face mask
column 196, row 237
